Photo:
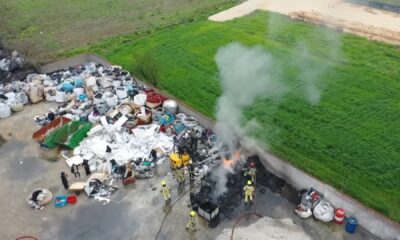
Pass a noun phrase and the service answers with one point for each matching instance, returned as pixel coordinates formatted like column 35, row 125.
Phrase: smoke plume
column 250, row 73
column 245, row 76
column 311, row 72
column 244, row 73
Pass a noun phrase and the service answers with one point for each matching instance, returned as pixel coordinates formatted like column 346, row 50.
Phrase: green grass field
column 350, row 140
column 43, row 28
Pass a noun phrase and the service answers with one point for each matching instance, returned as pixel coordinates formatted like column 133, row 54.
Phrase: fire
column 228, row 163
column 237, row 155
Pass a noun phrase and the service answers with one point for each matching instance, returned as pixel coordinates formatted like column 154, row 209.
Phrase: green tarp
column 69, row 135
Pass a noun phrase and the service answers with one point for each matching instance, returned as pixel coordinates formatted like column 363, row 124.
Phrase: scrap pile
column 214, row 201
column 38, row 198
column 312, row 203
column 116, row 126
column 105, row 143
column 13, row 68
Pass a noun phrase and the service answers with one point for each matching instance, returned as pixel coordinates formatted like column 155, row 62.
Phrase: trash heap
column 313, row 203
column 13, row 66
column 105, row 143
column 13, row 69
column 115, row 125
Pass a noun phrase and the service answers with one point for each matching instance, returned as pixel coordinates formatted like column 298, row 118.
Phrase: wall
column 369, row 219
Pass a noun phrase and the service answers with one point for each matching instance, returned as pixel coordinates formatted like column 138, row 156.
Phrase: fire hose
column 169, row 210
column 247, row 214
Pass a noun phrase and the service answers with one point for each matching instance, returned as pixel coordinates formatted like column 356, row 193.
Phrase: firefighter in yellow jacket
column 180, row 175
column 252, row 171
column 192, row 222
column 248, row 192
column 166, row 191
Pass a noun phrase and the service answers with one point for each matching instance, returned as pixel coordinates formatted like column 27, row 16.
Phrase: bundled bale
column 36, row 93
column 5, row 110
column 50, row 93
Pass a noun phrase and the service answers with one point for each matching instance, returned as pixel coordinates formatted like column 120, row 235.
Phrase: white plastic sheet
column 125, row 146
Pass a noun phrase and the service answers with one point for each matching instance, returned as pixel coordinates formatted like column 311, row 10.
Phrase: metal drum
column 170, row 106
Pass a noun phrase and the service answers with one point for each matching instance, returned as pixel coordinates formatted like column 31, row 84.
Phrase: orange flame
column 237, row 155
column 228, row 163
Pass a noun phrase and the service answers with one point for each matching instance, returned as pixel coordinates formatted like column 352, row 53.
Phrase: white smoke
column 312, row 71
column 245, row 76
column 244, row 73
column 250, row 73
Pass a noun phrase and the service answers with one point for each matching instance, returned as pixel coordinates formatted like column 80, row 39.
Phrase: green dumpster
column 69, row 135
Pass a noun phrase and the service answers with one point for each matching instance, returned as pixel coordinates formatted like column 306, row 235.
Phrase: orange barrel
column 339, row 215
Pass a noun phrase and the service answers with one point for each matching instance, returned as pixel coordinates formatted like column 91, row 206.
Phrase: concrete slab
column 134, row 212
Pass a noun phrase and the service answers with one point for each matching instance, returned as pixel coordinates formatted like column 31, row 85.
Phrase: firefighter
column 193, row 141
column 191, row 170
column 166, row 191
column 180, row 175
column 191, row 226
column 251, row 172
column 248, row 192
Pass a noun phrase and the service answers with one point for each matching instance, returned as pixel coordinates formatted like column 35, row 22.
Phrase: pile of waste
column 105, row 143
column 13, row 69
column 117, row 127
column 13, row 66
column 39, row 197
column 312, row 203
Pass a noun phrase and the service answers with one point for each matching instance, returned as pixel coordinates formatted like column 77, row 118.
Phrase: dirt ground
column 135, row 212
column 43, row 29
column 364, row 21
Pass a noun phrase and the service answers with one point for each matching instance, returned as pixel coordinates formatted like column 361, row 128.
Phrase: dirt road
column 372, row 23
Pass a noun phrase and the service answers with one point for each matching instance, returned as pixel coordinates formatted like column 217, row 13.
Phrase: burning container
column 208, row 210
column 211, row 205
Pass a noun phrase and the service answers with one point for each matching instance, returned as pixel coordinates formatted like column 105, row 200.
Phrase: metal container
column 351, row 225
column 208, row 210
column 170, row 106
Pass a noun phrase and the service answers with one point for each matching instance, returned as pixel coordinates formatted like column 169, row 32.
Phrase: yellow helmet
column 163, row 183
column 192, row 213
column 249, row 182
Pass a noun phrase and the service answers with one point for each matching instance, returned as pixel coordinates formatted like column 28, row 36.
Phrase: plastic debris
column 324, row 211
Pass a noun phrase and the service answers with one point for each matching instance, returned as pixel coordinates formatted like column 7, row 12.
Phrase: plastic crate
column 60, row 201
column 72, row 199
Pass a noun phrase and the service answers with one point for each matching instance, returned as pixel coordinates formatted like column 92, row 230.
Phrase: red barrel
column 339, row 215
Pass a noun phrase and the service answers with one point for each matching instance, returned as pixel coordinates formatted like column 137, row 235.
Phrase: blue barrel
column 351, row 225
